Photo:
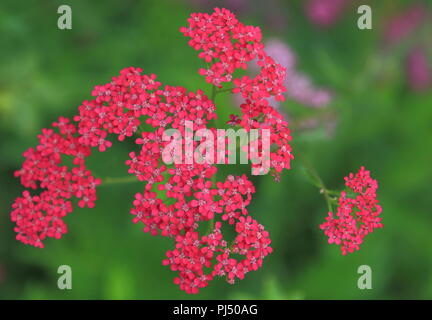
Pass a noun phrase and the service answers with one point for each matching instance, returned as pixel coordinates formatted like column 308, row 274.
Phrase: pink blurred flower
column 418, row 70
column 299, row 86
column 403, row 23
column 325, row 12
column 283, row 54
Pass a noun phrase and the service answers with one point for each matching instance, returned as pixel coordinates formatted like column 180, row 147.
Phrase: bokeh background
column 356, row 97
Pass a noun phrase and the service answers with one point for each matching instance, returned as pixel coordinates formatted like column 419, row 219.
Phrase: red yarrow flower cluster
column 227, row 45
column 177, row 198
column 119, row 105
column 40, row 216
column 199, row 259
column 357, row 215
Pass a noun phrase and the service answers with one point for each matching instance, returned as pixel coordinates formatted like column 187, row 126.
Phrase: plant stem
column 225, row 90
column 119, row 180
column 210, row 226
column 319, row 182
column 213, row 93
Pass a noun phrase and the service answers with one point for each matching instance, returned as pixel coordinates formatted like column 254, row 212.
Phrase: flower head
column 358, row 213
column 177, row 198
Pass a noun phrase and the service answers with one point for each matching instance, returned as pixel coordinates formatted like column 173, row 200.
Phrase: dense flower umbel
column 226, row 45
column 177, row 198
column 119, row 108
column 190, row 195
column 38, row 217
column 357, row 215
column 198, row 259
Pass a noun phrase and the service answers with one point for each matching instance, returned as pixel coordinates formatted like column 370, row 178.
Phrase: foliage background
column 380, row 123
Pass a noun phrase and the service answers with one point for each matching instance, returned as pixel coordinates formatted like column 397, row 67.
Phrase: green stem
column 318, row 181
column 210, row 226
column 119, row 180
column 225, row 90
column 213, row 93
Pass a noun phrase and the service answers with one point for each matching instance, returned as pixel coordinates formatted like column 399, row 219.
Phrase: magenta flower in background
column 282, row 53
column 325, row 12
column 397, row 29
column 299, row 86
column 418, row 70
column 403, row 23
column 300, row 89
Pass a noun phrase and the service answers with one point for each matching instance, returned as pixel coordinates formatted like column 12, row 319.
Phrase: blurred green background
column 376, row 120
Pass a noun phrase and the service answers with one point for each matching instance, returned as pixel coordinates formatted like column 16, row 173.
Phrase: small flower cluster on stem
column 357, row 215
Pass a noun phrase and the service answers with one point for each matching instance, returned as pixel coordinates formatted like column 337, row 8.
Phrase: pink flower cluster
column 357, row 215
column 180, row 198
column 398, row 28
column 325, row 13
column 177, row 198
column 187, row 195
column 402, row 24
column 419, row 69
column 190, row 195
column 38, row 217
column 299, row 86
column 119, row 105
column 199, row 259
column 226, row 45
